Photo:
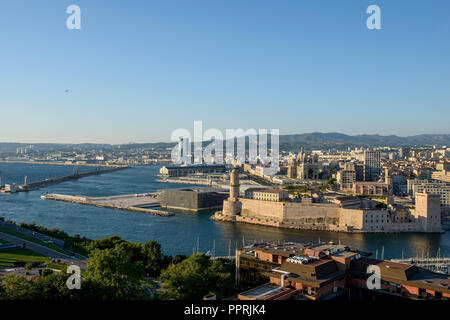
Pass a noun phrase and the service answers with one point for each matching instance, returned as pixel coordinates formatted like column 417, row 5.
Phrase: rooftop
column 265, row 292
column 347, row 198
column 193, row 189
column 195, row 166
column 278, row 191
column 404, row 273
column 332, row 247
column 313, row 270
column 286, row 249
column 345, row 254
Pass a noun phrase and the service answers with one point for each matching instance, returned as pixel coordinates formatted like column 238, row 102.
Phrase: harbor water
column 178, row 234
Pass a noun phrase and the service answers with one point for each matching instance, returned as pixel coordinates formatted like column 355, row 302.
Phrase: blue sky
column 137, row 70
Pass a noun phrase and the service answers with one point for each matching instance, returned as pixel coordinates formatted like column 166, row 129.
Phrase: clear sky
column 139, row 69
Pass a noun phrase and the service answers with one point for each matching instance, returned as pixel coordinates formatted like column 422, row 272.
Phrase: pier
column 143, row 202
column 56, row 163
column 74, row 176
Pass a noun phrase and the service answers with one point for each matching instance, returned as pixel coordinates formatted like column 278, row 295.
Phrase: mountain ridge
column 287, row 141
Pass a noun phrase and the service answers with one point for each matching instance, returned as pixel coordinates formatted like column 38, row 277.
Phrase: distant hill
column 287, row 142
column 334, row 139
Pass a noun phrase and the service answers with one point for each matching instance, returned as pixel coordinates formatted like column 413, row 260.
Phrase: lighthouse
column 234, row 185
column 232, row 206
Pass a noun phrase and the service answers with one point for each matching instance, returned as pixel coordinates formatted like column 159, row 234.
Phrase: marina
column 437, row 264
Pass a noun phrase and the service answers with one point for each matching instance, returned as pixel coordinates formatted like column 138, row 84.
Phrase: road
column 66, row 259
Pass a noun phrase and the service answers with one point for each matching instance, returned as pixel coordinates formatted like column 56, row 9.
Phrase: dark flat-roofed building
column 192, row 199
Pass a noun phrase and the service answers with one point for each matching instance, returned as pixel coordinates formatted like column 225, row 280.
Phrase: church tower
column 292, row 169
column 388, row 181
column 301, row 157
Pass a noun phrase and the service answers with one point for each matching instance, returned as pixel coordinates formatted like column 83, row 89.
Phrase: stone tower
column 234, row 185
column 428, row 211
column 389, row 182
column 232, row 206
column 292, row 169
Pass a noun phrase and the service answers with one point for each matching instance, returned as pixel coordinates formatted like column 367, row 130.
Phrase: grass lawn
column 29, row 238
column 9, row 256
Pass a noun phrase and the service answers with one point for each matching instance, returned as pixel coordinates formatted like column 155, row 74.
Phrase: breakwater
column 54, row 163
column 133, row 202
column 43, row 183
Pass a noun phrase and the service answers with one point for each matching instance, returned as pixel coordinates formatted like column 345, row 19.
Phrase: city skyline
column 136, row 73
column 168, row 141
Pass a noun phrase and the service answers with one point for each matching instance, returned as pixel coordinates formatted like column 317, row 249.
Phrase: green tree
column 178, row 258
column 116, row 271
column 197, row 276
column 105, row 243
column 15, row 288
column 50, row 287
column 152, row 258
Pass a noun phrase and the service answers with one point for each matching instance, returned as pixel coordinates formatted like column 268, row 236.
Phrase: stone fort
column 307, row 214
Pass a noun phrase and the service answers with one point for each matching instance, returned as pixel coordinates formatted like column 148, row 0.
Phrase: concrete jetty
column 142, row 202
column 56, row 163
column 75, row 176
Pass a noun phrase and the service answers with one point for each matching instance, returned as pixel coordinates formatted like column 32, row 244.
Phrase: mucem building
column 192, row 199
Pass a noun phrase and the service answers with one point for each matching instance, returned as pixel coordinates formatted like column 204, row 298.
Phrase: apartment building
column 372, row 165
column 329, row 271
column 346, row 176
